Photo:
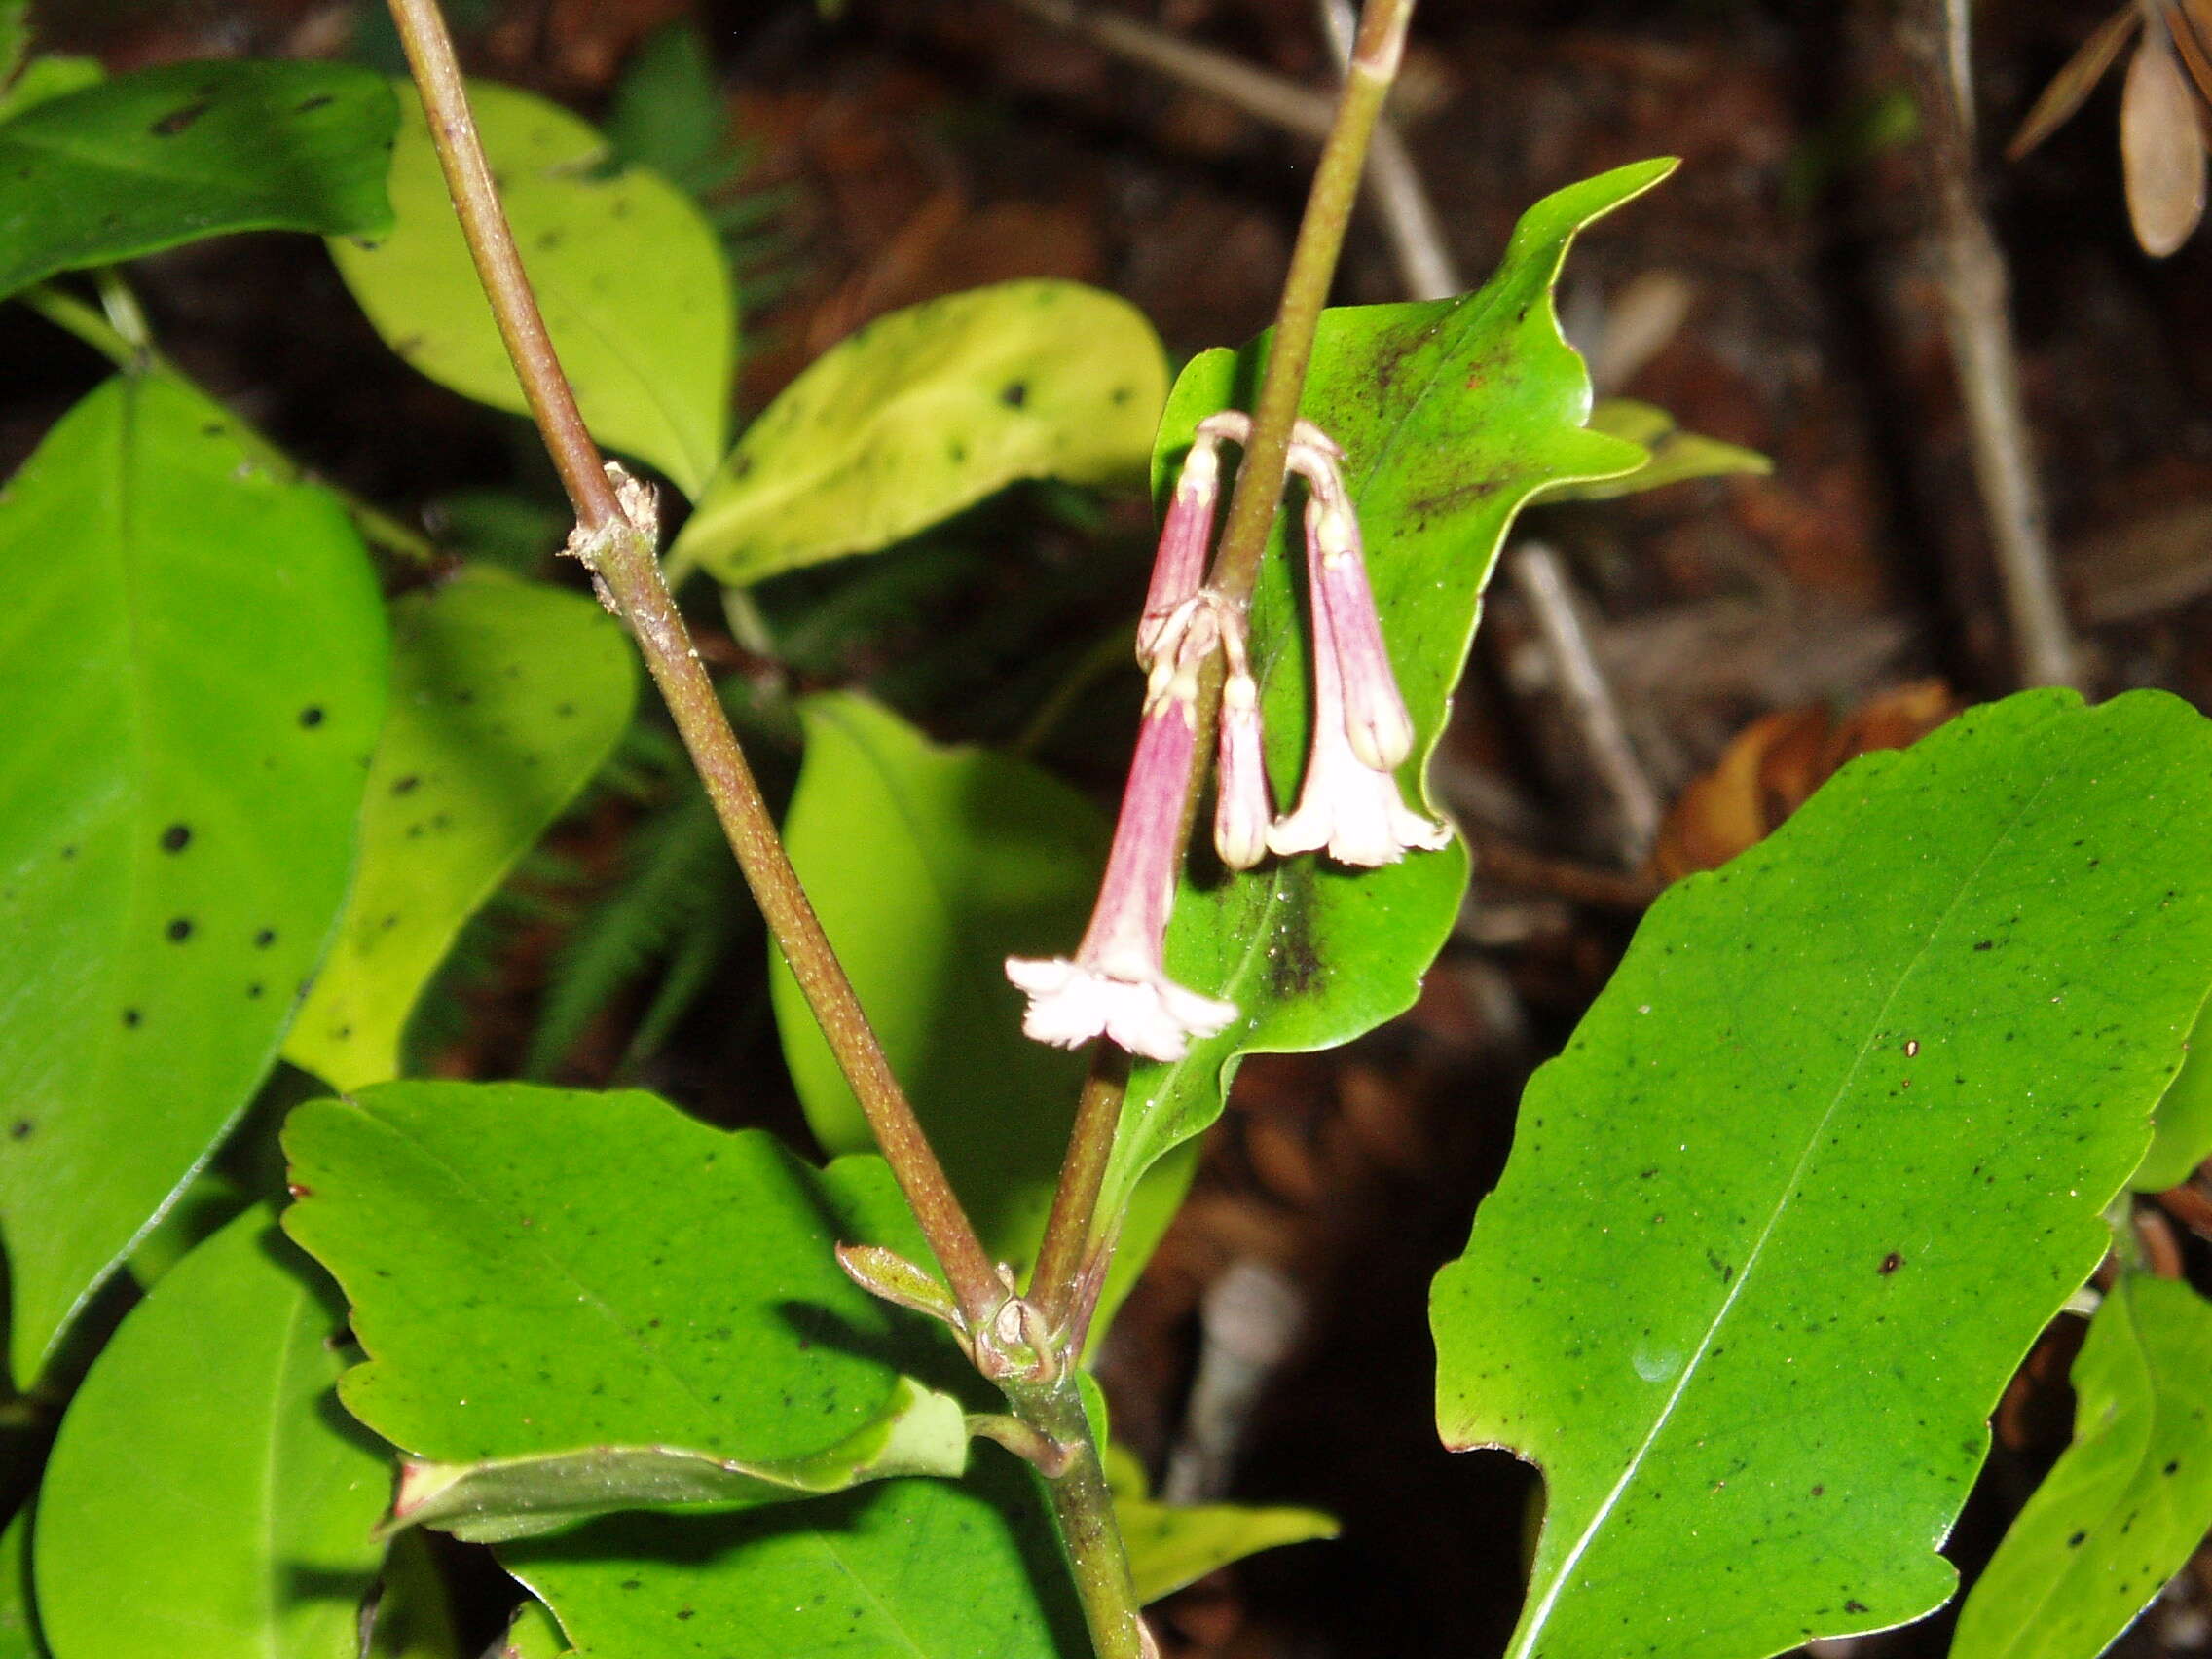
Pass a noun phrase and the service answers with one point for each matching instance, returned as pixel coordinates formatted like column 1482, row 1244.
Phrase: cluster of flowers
column 1116, row 986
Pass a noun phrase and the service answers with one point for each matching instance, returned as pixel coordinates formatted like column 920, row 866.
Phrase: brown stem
column 622, row 560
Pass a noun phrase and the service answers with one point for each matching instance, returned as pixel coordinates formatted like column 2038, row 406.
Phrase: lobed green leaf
column 2183, row 1137
column 537, row 1275
column 1819, row 1162
column 1452, row 414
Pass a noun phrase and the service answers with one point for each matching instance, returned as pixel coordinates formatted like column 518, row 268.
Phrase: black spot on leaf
column 179, row 119
column 1015, row 394
column 22, row 1129
column 307, row 106
column 1891, row 1263
column 176, row 837
column 180, row 930
column 132, row 1018
column 310, row 717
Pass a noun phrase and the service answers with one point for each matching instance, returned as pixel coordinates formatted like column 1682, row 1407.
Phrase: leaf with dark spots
column 166, row 156
column 487, row 753
column 2125, row 1505
column 1876, row 1281
column 926, row 412
column 1312, row 955
column 647, row 343
column 220, row 816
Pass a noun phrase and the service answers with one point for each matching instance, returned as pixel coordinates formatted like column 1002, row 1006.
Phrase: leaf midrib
column 1540, row 1611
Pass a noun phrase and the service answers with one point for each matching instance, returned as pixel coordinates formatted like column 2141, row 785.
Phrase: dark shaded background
column 927, row 147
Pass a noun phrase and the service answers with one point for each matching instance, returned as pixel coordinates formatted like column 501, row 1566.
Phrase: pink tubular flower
column 1347, row 806
column 1179, row 565
column 1243, row 804
column 1376, row 721
column 1116, row 985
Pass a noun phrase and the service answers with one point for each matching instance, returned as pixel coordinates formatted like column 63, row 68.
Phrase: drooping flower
column 1115, row 986
column 1346, row 806
column 1243, row 804
column 1181, row 562
column 1376, row 721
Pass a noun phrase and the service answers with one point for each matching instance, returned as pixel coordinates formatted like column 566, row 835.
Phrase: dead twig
column 1541, row 577
column 1978, row 310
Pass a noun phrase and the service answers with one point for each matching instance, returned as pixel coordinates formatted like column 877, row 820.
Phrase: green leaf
column 2184, row 1126
column 628, row 273
column 2126, row 1504
column 533, row 1635
column 19, row 1624
column 925, row 412
column 46, row 77
column 201, row 1211
column 1825, row 1156
column 1452, row 414
column 540, row 1271
column 507, row 696
column 902, row 1569
column 667, row 112
column 1677, row 456
column 191, row 150
column 193, row 661
column 414, row 1616
column 918, row 1432
column 204, row 1500
column 929, row 867
column 1172, row 1545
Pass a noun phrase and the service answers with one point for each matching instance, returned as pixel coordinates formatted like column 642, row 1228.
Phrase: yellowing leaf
column 927, row 411
column 627, row 272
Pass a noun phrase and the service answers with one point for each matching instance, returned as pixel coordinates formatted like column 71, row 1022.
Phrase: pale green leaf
column 1823, row 1157
column 630, row 278
column 192, row 663
column 918, row 1431
column 1453, row 415
column 1172, row 1545
column 927, row 411
column 2183, row 1136
column 507, row 696
column 929, row 867
column 204, row 1500
column 1677, row 456
column 2126, row 1504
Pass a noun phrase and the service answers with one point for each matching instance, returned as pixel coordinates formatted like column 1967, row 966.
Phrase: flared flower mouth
column 1134, row 1005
